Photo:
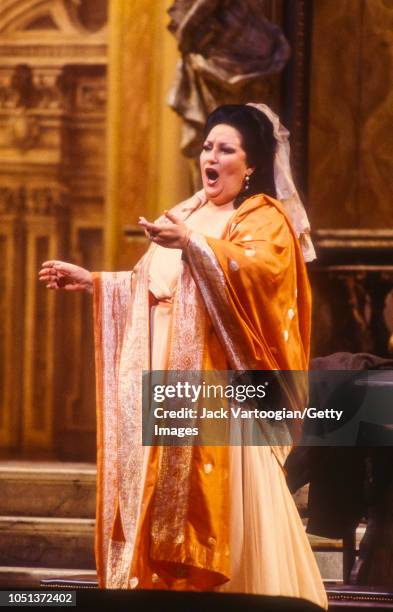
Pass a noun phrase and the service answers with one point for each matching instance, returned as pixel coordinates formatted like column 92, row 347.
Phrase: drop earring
column 246, row 182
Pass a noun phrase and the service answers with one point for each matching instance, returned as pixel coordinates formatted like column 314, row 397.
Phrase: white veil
column 285, row 186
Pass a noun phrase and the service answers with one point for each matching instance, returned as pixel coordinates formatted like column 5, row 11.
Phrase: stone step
column 47, row 542
column 301, row 500
column 334, row 545
column 329, row 554
column 31, row 577
column 47, row 489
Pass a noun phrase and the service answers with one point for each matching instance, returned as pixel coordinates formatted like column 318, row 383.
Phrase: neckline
column 227, row 206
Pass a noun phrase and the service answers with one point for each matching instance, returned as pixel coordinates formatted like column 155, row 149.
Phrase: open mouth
column 212, row 176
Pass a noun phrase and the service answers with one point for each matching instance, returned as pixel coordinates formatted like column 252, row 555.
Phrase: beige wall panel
column 80, row 400
column 146, row 172
column 174, row 182
column 10, row 338
column 334, row 112
column 39, row 335
column 376, row 143
column 130, row 121
column 351, row 115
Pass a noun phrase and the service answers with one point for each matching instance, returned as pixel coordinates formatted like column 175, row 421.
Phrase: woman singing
column 222, row 286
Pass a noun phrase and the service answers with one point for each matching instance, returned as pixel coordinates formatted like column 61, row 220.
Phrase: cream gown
column 270, row 551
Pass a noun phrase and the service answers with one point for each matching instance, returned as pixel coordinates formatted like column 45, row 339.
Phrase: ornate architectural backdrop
column 52, row 120
column 69, row 191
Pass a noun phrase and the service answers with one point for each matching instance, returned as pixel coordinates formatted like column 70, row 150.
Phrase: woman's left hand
column 173, row 235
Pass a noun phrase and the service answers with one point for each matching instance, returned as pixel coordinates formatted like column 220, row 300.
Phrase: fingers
column 50, row 280
column 150, row 227
column 170, row 235
column 74, row 287
column 63, row 275
column 51, row 273
column 152, row 230
column 52, row 263
column 44, row 276
column 171, row 217
column 51, row 270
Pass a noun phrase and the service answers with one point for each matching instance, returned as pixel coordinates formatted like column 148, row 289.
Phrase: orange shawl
column 242, row 302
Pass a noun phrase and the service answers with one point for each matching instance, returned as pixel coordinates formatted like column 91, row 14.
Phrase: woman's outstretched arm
column 63, row 275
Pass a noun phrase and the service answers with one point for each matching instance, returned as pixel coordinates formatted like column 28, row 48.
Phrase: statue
column 228, row 49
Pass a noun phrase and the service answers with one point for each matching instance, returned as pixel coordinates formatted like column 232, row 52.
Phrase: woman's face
column 223, row 164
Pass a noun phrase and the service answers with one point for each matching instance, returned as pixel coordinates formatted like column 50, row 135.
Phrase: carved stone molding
column 358, row 316
column 9, row 96
column 32, row 87
column 353, row 281
column 51, row 30
column 68, row 16
column 354, row 238
column 92, row 15
column 24, row 130
column 44, row 201
column 91, row 95
column 48, row 87
column 10, row 200
column 36, row 101
column 36, row 201
column 55, row 53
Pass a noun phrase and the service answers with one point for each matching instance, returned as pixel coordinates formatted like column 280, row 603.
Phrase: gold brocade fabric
column 133, row 533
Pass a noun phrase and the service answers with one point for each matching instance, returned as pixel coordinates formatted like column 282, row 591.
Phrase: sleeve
column 111, row 303
column 249, row 286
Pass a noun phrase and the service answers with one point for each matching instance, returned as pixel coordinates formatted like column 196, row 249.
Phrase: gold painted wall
column 351, row 115
column 52, row 169
column 57, row 166
column 146, row 172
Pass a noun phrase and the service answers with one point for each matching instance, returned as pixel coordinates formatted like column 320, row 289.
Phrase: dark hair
column 259, row 144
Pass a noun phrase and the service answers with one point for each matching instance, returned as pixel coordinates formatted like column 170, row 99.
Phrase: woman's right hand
column 64, row 275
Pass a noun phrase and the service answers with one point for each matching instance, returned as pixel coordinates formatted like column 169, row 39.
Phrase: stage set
column 102, row 108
